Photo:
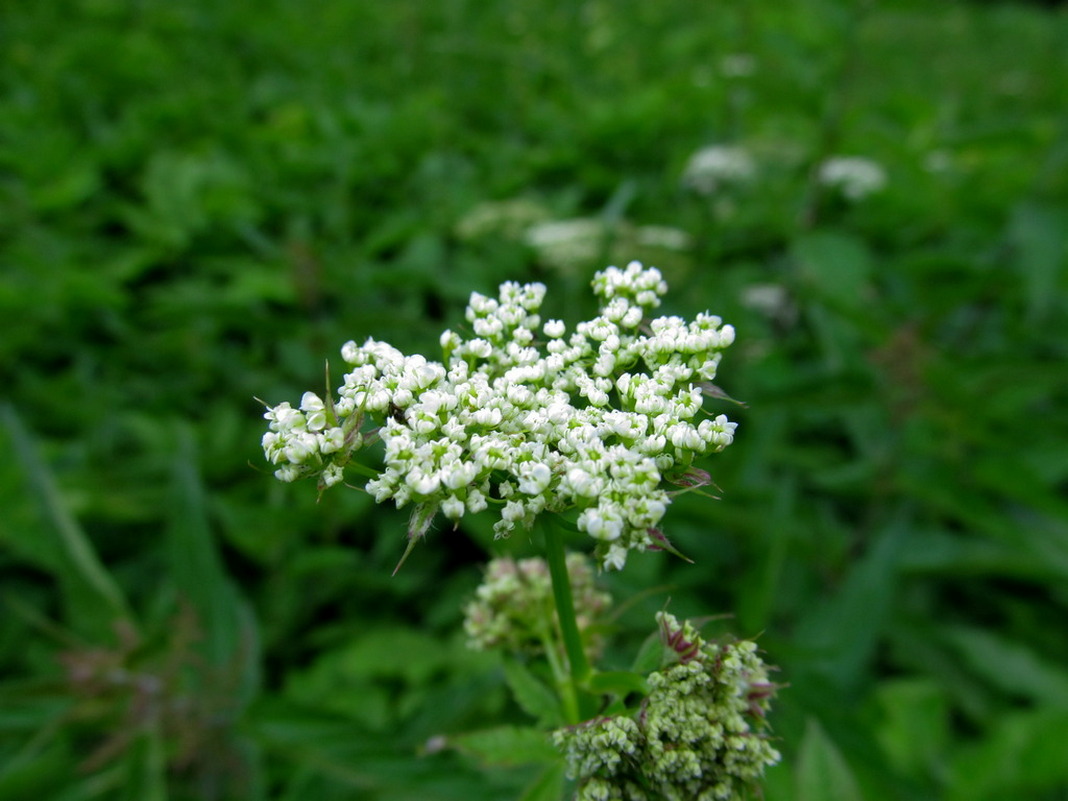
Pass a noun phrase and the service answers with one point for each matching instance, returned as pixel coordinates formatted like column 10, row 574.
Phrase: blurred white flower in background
column 855, row 177
column 771, row 300
column 938, row 161
column 575, row 243
column 662, row 236
column 716, row 166
column 565, row 244
column 737, row 65
column 507, row 218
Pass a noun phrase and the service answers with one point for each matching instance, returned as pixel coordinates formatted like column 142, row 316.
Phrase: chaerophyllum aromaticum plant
column 596, row 429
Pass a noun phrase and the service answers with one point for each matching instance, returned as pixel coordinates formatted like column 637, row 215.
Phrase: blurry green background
column 201, row 201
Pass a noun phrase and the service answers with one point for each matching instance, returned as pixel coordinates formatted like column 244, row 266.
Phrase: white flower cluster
column 854, row 176
column 716, row 166
column 525, row 416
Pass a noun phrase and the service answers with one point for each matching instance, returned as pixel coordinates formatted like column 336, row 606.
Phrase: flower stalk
column 578, row 664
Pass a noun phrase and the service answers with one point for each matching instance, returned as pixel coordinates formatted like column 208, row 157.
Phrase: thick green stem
column 565, row 613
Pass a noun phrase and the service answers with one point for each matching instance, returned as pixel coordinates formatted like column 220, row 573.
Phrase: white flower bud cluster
column 697, row 735
column 526, row 417
column 514, row 601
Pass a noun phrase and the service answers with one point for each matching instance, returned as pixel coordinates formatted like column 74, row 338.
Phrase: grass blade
column 94, row 600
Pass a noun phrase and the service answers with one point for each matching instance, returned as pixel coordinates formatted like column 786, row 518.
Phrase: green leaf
column 94, row 602
column 915, row 727
column 756, row 605
column 146, row 769
column 822, row 772
column 1021, row 755
column 841, row 634
column 43, row 776
column 548, row 786
column 1010, row 666
column 837, row 267
column 1037, row 235
column 533, row 695
column 227, row 623
column 507, row 746
column 617, row 682
column 650, row 655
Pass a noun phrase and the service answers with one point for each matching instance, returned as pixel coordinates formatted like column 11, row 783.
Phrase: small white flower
column 453, row 508
column 476, row 501
column 487, row 417
column 349, row 352
column 287, row 473
column 383, row 487
column 534, row 478
column 554, row 329
column 488, row 327
column 423, row 483
column 616, row 557
column 459, row 474
column 480, row 348
column 449, row 340
column 331, row 440
column 283, row 417
column 300, row 445
column 332, row 474
column 601, row 522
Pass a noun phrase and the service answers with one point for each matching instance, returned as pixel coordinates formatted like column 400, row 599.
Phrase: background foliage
column 199, row 202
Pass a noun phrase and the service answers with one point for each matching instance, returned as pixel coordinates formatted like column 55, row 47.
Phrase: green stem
column 561, row 679
column 565, row 613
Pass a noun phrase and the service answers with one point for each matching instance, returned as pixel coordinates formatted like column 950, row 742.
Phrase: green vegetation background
column 200, row 202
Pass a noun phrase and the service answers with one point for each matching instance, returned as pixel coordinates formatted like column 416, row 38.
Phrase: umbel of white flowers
column 526, row 417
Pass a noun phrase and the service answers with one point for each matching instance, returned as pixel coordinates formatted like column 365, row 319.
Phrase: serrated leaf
column 532, row 694
column 822, row 772
column 507, row 746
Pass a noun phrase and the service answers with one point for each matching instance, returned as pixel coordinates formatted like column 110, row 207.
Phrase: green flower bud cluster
column 513, row 606
column 697, row 736
column 526, row 417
